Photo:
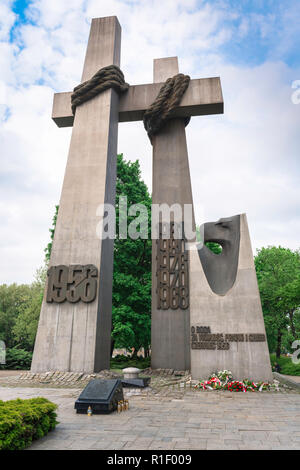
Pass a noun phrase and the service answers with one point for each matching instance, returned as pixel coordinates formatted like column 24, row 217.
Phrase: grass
column 287, row 367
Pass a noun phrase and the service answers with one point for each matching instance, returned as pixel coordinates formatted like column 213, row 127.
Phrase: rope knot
column 107, row 77
column 160, row 111
column 168, row 99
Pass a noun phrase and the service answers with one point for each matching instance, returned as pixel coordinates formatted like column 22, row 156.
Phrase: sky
column 244, row 161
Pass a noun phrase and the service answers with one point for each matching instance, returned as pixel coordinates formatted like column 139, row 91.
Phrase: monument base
column 228, row 331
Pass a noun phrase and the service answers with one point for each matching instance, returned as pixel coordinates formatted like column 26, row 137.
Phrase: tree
column 214, row 247
column 19, row 312
column 13, row 300
column 131, row 315
column 25, row 327
column 51, row 230
column 278, row 275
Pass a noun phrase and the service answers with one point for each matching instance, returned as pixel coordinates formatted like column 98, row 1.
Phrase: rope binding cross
column 158, row 113
column 107, row 77
column 168, row 99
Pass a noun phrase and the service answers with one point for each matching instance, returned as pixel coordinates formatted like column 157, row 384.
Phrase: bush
column 287, row 367
column 120, row 362
column 18, row 359
column 22, row 421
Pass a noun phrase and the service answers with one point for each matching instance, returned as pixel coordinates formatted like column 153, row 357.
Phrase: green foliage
column 13, row 301
column 132, row 266
column 22, row 421
column 120, row 362
column 25, row 327
column 52, row 231
column 19, row 312
column 278, row 275
column 287, row 367
column 214, row 247
column 17, row 359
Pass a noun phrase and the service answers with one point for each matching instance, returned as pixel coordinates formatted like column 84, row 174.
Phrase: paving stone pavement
column 197, row 420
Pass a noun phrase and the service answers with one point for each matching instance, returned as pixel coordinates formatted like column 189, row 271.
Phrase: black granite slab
column 137, row 383
column 101, row 395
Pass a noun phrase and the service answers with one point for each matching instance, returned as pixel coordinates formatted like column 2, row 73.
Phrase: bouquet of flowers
column 225, row 376
column 223, row 380
column 216, row 381
column 212, row 383
column 237, row 386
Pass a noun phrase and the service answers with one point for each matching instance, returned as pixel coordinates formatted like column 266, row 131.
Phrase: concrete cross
column 76, row 336
column 203, row 97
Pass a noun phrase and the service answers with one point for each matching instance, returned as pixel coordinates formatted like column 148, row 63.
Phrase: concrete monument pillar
column 74, row 334
column 226, row 320
column 171, row 185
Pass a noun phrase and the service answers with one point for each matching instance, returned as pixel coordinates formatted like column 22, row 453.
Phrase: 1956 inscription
column 72, row 283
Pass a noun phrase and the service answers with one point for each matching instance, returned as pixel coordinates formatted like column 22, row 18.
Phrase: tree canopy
column 132, row 266
column 278, row 275
column 19, row 312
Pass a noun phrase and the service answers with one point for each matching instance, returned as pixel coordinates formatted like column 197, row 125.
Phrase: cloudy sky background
column 246, row 160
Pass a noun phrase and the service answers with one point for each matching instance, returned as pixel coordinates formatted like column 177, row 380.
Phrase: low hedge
column 22, row 421
column 17, row 359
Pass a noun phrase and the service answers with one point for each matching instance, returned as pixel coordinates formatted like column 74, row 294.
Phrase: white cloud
column 7, row 19
column 243, row 161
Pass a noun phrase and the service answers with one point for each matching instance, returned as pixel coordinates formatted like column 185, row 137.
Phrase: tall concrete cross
column 74, row 330
column 170, row 322
column 75, row 336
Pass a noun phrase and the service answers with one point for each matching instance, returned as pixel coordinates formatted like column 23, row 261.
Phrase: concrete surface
column 203, row 96
column 295, row 378
column 201, row 420
column 220, row 270
column 169, row 328
column 239, row 311
column 10, row 373
column 76, row 337
column 290, row 380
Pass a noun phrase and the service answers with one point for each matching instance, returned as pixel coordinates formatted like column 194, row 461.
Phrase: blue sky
column 246, row 160
column 19, row 7
column 260, row 20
